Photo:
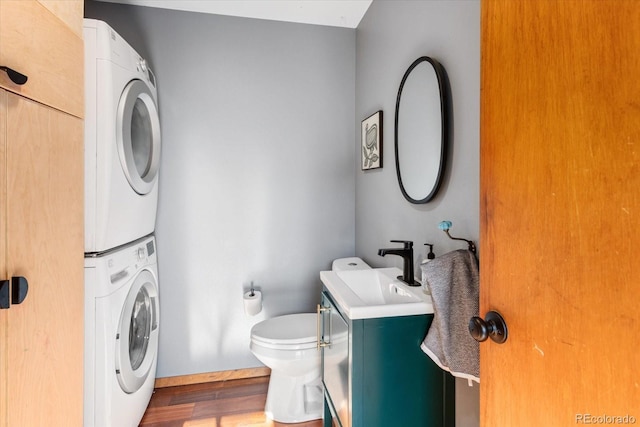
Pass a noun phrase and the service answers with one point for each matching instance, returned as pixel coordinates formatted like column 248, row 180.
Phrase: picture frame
column 371, row 141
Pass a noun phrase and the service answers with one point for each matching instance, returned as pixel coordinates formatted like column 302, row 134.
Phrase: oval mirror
column 421, row 130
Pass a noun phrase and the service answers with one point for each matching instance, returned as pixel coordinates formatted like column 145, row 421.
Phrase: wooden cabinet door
column 43, row 40
column 560, row 211
column 3, row 256
column 43, row 241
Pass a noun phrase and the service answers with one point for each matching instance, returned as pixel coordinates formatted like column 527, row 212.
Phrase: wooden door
column 560, row 211
column 41, row 212
column 43, row 239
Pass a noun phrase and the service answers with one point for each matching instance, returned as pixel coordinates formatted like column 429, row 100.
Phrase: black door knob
column 493, row 326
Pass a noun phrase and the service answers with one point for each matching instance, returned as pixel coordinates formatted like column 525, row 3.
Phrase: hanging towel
column 453, row 280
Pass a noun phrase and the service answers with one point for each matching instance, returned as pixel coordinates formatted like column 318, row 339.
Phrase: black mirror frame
column 440, row 74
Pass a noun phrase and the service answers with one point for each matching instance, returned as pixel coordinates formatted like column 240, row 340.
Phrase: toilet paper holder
column 252, row 301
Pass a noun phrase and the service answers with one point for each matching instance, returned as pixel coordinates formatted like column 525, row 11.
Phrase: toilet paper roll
column 252, row 303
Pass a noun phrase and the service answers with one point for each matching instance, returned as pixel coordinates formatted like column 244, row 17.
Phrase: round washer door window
column 138, row 136
column 137, row 338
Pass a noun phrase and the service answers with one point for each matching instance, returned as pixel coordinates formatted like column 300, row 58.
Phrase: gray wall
column 257, row 181
column 390, row 37
column 260, row 180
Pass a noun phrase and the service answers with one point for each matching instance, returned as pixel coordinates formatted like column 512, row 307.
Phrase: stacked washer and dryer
column 122, row 157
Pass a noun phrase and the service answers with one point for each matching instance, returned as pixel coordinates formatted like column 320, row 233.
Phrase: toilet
column 288, row 345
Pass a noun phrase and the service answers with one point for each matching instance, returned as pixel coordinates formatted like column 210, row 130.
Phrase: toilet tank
column 352, row 263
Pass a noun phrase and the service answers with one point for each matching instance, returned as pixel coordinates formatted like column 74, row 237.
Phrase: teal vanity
column 370, row 327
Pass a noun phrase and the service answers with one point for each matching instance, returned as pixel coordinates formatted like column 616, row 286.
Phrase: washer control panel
column 121, row 264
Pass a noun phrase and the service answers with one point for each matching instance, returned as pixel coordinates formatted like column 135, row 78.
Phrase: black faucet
column 406, row 253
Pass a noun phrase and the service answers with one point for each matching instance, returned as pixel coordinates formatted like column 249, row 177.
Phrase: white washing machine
column 122, row 141
column 122, row 320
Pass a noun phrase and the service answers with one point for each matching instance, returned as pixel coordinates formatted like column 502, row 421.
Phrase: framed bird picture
column 372, row 141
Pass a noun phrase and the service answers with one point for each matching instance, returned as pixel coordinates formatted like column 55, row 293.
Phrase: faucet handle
column 408, row 244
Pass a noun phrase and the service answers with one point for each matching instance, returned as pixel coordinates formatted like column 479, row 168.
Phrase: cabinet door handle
column 16, row 77
column 320, row 343
column 19, row 289
column 4, row 294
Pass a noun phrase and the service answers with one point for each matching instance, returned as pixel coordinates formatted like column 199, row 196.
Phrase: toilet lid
column 287, row 330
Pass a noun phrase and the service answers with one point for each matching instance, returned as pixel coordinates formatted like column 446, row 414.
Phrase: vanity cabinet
column 41, row 213
column 375, row 374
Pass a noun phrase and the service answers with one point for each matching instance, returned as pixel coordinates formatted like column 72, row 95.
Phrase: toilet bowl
column 288, row 345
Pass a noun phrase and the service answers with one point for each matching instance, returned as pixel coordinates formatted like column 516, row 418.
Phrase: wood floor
column 233, row 403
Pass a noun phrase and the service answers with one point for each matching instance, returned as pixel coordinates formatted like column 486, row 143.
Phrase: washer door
column 138, row 136
column 137, row 338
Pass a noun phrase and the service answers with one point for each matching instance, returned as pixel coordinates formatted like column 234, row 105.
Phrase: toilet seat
column 289, row 332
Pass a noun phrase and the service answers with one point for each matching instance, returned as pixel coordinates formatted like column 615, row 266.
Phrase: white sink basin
column 366, row 294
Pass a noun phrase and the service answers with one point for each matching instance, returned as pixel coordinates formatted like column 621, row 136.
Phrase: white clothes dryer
column 122, row 319
column 122, row 141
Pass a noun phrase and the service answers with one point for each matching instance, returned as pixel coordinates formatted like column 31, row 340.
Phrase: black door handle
column 19, row 289
column 4, row 294
column 16, row 77
column 493, row 326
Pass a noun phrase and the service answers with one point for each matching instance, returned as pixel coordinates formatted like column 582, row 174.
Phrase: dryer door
column 137, row 338
column 138, row 136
